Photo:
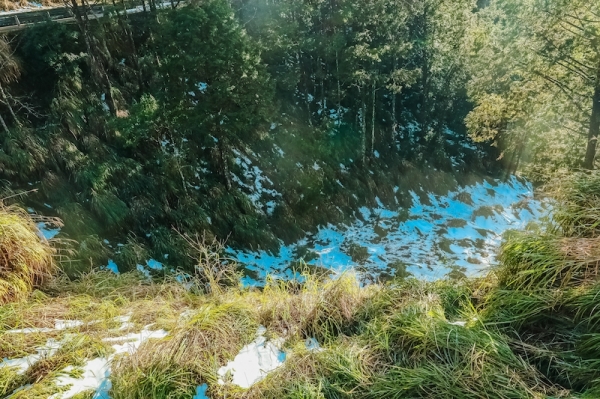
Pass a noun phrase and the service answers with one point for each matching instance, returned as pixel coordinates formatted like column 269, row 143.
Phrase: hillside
column 331, row 199
column 527, row 329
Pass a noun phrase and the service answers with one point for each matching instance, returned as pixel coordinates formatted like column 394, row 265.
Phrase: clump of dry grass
column 10, row 380
column 105, row 284
column 76, row 349
column 44, row 313
column 318, row 308
column 7, row 5
column 190, row 356
column 26, row 260
column 577, row 210
column 20, row 345
column 213, row 272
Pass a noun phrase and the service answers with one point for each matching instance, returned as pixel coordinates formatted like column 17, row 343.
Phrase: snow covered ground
column 95, row 374
column 456, row 232
column 254, row 361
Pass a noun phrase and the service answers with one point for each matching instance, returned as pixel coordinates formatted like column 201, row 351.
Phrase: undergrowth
column 529, row 329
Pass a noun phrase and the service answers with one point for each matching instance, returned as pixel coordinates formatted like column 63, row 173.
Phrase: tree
column 9, row 72
column 536, row 79
column 97, row 60
column 213, row 89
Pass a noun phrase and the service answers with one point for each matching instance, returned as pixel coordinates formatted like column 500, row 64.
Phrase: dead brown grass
column 20, row 345
column 317, row 309
column 26, row 260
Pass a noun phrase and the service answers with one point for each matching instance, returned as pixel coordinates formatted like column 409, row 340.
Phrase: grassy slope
column 530, row 329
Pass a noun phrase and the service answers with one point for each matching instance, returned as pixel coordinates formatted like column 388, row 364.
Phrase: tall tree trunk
column 425, row 77
column 124, row 23
column 522, row 146
column 363, row 122
column 594, row 131
column 306, row 101
column 3, row 123
column 424, row 111
column 394, row 121
column 339, row 88
column 224, row 162
column 96, row 67
column 308, row 113
column 7, row 103
column 372, row 119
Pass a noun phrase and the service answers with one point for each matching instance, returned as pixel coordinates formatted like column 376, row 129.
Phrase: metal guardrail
column 21, row 20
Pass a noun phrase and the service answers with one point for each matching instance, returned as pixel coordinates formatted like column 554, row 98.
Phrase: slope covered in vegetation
column 249, row 120
column 160, row 133
column 259, row 121
column 529, row 329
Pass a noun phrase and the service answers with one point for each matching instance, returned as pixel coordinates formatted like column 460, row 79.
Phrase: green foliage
column 534, row 77
column 139, row 123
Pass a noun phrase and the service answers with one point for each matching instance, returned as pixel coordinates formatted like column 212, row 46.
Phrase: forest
column 137, row 127
column 400, row 196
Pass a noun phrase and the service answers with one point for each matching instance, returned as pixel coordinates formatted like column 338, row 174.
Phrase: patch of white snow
column 254, row 361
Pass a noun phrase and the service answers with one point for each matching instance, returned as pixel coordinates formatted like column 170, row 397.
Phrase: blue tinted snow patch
column 112, row 266
column 312, row 344
column 103, row 390
column 460, row 229
column 202, row 86
column 201, row 392
column 365, row 212
column 143, row 270
column 154, row 265
column 47, row 232
column 151, row 264
column 281, row 357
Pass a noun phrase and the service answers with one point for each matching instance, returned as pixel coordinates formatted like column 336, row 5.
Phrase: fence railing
column 19, row 20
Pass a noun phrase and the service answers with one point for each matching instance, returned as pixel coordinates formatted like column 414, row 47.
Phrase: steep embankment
column 527, row 329
column 437, row 235
column 133, row 132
